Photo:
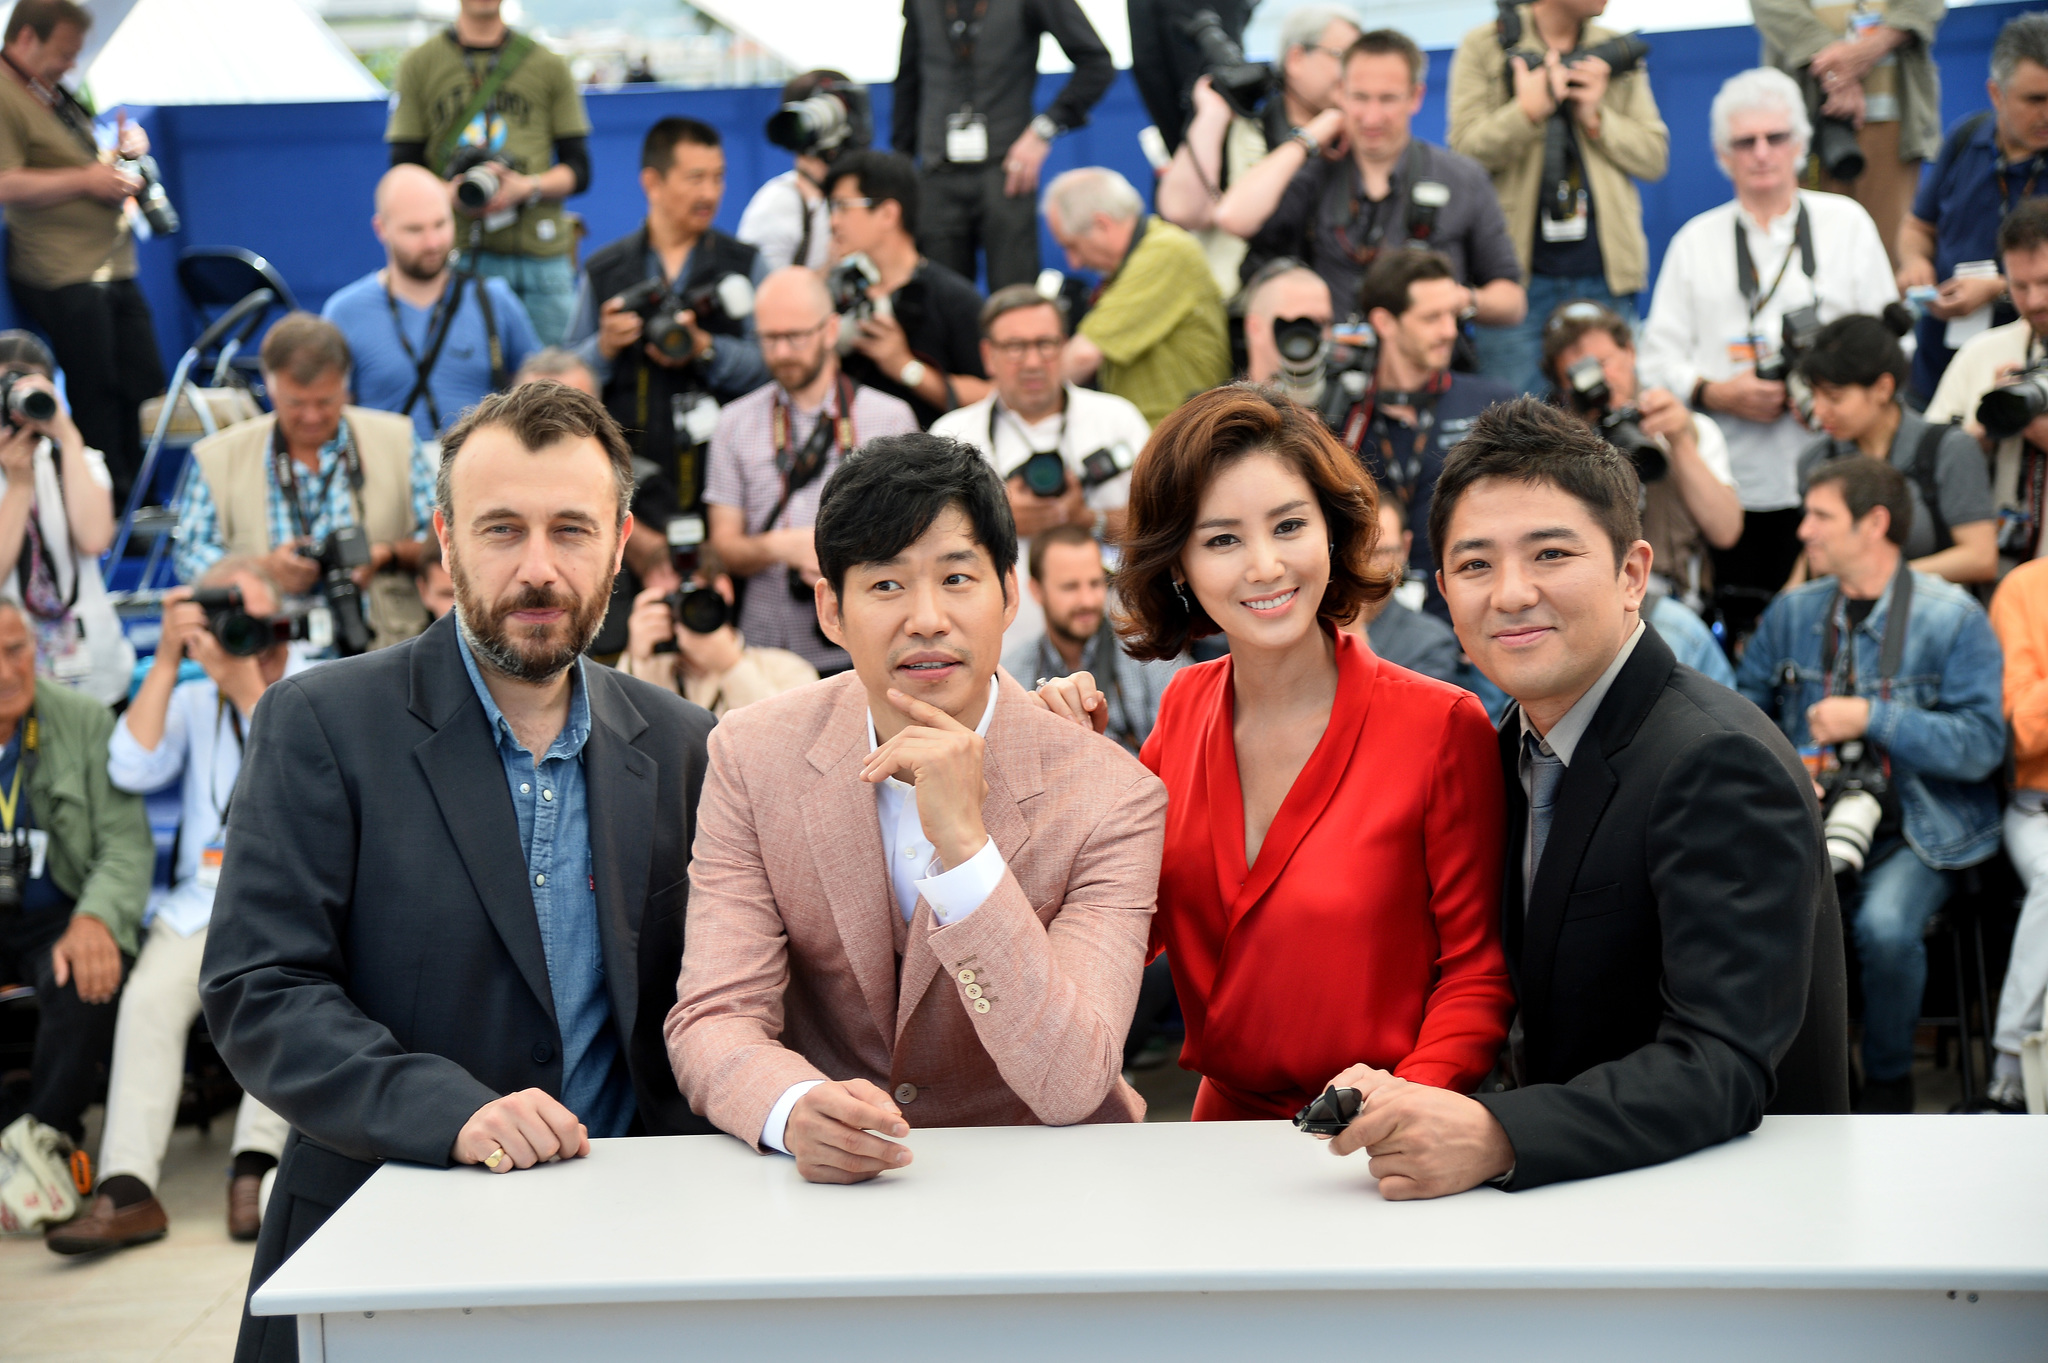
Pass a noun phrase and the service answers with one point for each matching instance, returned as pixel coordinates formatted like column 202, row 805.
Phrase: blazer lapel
column 845, row 839
column 620, row 781
column 467, row 776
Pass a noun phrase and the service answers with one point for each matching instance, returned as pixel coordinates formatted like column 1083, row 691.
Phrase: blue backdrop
column 294, row 181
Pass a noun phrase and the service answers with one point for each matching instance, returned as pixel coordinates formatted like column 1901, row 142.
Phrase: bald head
column 415, row 223
column 1291, row 293
column 791, row 310
column 794, row 294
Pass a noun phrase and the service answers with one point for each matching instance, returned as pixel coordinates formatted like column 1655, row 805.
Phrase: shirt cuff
column 777, row 1125
column 959, row 892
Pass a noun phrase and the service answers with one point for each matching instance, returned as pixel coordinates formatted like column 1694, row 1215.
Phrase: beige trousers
column 158, row 1006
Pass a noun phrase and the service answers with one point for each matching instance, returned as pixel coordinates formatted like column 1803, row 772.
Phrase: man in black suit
column 1668, row 914
column 430, row 944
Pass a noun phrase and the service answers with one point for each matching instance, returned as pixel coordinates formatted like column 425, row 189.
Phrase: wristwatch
column 1307, row 142
column 1698, row 400
column 912, row 374
column 709, row 352
column 1045, row 127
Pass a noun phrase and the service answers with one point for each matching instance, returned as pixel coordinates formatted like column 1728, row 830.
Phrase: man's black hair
column 1526, row 441
column 881, row 500
column 1860, row 349
column 881, row 175
column 2026, row 227
column 1867, row 484
column 658, row 148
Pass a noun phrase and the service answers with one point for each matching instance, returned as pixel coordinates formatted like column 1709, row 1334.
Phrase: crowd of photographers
column 1836, row 400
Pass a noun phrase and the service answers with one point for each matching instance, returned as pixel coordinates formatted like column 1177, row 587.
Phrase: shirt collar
column 569, row 743
column 980, row 729
column 1563, row 738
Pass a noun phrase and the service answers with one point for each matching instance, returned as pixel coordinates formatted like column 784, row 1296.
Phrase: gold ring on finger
column 496, row 1157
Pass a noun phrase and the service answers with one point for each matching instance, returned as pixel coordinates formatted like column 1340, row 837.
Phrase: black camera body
column 1586, row 390
column 1852, row 802
column 157, row 209
column 240, row 633
column 848, row 283
column 1335, row 375
column 2011, row 407
column 1796, row 336
column 836, row 119
column 17, row 860
column 1045, row 472
column 21, row 403
column 1622, row 53
column 1244, row 85
column 719, row 305
column 478, row 174
column 699, row 610
column 339, row 553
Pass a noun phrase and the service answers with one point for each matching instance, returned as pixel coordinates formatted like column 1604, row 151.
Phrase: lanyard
column 234, row 718
column 2005, row 188
column 996, row 409
column 1745, row 266
column 440, row 321
column 964, row 33
column 800, row 467
column 1369, row 418
column 40, row 562
column 284, row 470
column 1364, row 251
column 75, row 117
column 11, row 802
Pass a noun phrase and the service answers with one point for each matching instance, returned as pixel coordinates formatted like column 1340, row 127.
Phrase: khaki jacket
column 236, row 464
column 1793, row 33
column 1487, row 125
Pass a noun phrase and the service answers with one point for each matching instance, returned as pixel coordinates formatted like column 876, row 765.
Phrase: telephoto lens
column 1836, row 148
column 1244, row 85
column 1851, row 821
column 25, row 402
column 1045, row 473
column 2012, row 406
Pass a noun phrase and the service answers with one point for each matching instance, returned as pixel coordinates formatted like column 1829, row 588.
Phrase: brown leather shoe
column 245, row 1211
column 105, row 1226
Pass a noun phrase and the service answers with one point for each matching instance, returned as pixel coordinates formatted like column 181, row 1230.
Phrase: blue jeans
column 545, row 284
column 1894, row 899
column 1514, row 355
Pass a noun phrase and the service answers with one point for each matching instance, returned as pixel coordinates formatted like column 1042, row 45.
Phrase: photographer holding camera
column 683, row 636
column 1559, row 111
column 427, row 341
column 1738, row 283
column 1869, row 74
column 56, row 519
column 334, row 498
column 1064, row 453
column 2002, row 375
column 665, row 315
column 1889, row 680
column 190, row 733
column 824, row 116
column 1287, row 316
column 909, row 321
column 499, row 117
column 1223, row 141
column 771, row 456
column 70, row 253
column 1858, row 373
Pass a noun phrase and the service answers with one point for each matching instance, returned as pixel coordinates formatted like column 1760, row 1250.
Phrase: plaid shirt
column 742, row 474
column 324, row 502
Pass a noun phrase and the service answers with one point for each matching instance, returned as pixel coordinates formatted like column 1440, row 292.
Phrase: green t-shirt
column 1159, row 324
column 537, row 105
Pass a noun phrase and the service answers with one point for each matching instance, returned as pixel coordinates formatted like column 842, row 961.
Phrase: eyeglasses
column 1336, row 53
column 1045, row 347
column 790, row 340
column 1776, row 140
column 838, row 206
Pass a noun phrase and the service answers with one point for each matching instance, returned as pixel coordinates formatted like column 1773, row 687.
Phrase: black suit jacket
column 374, row 970
column 1680, row 965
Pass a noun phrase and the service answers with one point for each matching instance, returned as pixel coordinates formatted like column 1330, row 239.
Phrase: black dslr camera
column 1330, row 376
column 2011, row 407
column 1852, row 798
column 17, row 860
column 241, row 634
column 21, row 403
column 478, row 174
column 836, row 119
column 339, row 553
column 1586, row 393
column 156, row 206
column 699, row 610
column 848, row 284
column 1801, row 328
column 719, row 305
column 1622, row 55
column 1045, row 472
column 1244, row 85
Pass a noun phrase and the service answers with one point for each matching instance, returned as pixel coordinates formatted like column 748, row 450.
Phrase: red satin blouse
column 1369, row 928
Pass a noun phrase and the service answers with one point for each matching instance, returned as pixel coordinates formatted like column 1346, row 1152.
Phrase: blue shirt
column 554, row 832
column 1965, row 196
column 385, row 373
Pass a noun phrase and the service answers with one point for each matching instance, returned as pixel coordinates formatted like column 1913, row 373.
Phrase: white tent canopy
column 225, row 52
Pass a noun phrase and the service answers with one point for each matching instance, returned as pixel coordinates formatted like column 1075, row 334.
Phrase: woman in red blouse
column 1331, row 886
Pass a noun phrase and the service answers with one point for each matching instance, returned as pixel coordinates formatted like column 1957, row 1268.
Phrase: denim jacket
column 1943, row 727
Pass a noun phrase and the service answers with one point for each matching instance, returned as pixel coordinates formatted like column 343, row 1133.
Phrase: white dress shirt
column 773, row 224
column 1975, row 371
column 914, row 873
column 1699, row 325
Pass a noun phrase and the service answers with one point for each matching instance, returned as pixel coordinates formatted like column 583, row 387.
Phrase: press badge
column 38, row 852
column 695, row 420
column 1742, row 353
column 1568, row 229
column 210, row 858
column 63, row 650
column 966, row 138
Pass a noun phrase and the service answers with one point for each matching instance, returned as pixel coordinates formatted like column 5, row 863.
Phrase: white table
column 1816, row 1238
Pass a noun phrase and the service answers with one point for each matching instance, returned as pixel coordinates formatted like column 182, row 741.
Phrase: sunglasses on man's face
column 1773, row 140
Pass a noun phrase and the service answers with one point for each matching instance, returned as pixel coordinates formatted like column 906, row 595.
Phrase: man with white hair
column 1285, row 291
column 1155, row 335
column 1742, row 281
column 1221, row 144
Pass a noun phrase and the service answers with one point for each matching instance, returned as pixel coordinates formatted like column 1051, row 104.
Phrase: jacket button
column 542, row 1053
column 981, row 1005
column 906, row 1093
column 966, row 977
column 973, row 991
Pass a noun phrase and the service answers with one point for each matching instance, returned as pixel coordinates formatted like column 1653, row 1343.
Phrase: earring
column 1187, row 602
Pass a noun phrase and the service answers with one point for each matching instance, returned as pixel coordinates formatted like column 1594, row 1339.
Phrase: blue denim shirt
column 1943, row 727
column 554, row 832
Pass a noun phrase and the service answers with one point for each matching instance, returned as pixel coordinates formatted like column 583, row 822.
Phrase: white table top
column 1806, row 1202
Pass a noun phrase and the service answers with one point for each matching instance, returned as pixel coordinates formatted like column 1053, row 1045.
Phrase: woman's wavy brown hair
column 1204, row 436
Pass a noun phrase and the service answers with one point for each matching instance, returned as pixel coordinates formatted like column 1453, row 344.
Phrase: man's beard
column 1065, row 628
column 796, row 375
column 416, row 267
column 531, row 654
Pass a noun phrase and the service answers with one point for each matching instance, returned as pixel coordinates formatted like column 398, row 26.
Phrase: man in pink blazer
column 917, row 897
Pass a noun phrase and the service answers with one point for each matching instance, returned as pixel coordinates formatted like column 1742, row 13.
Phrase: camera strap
column 996, row 409
column 963, row 34
column 1835, row 659
column 68, row 109
column 800, row 468
column 1746, row 278
column 223, row 709
column 439, row 323
column 10, row 803
column 1417, row 224
column 36, row 570
column 285, row 470
column 510, row 54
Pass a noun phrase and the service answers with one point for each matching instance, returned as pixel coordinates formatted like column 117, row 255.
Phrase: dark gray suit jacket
column 374, row 970
column 1680, row 965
